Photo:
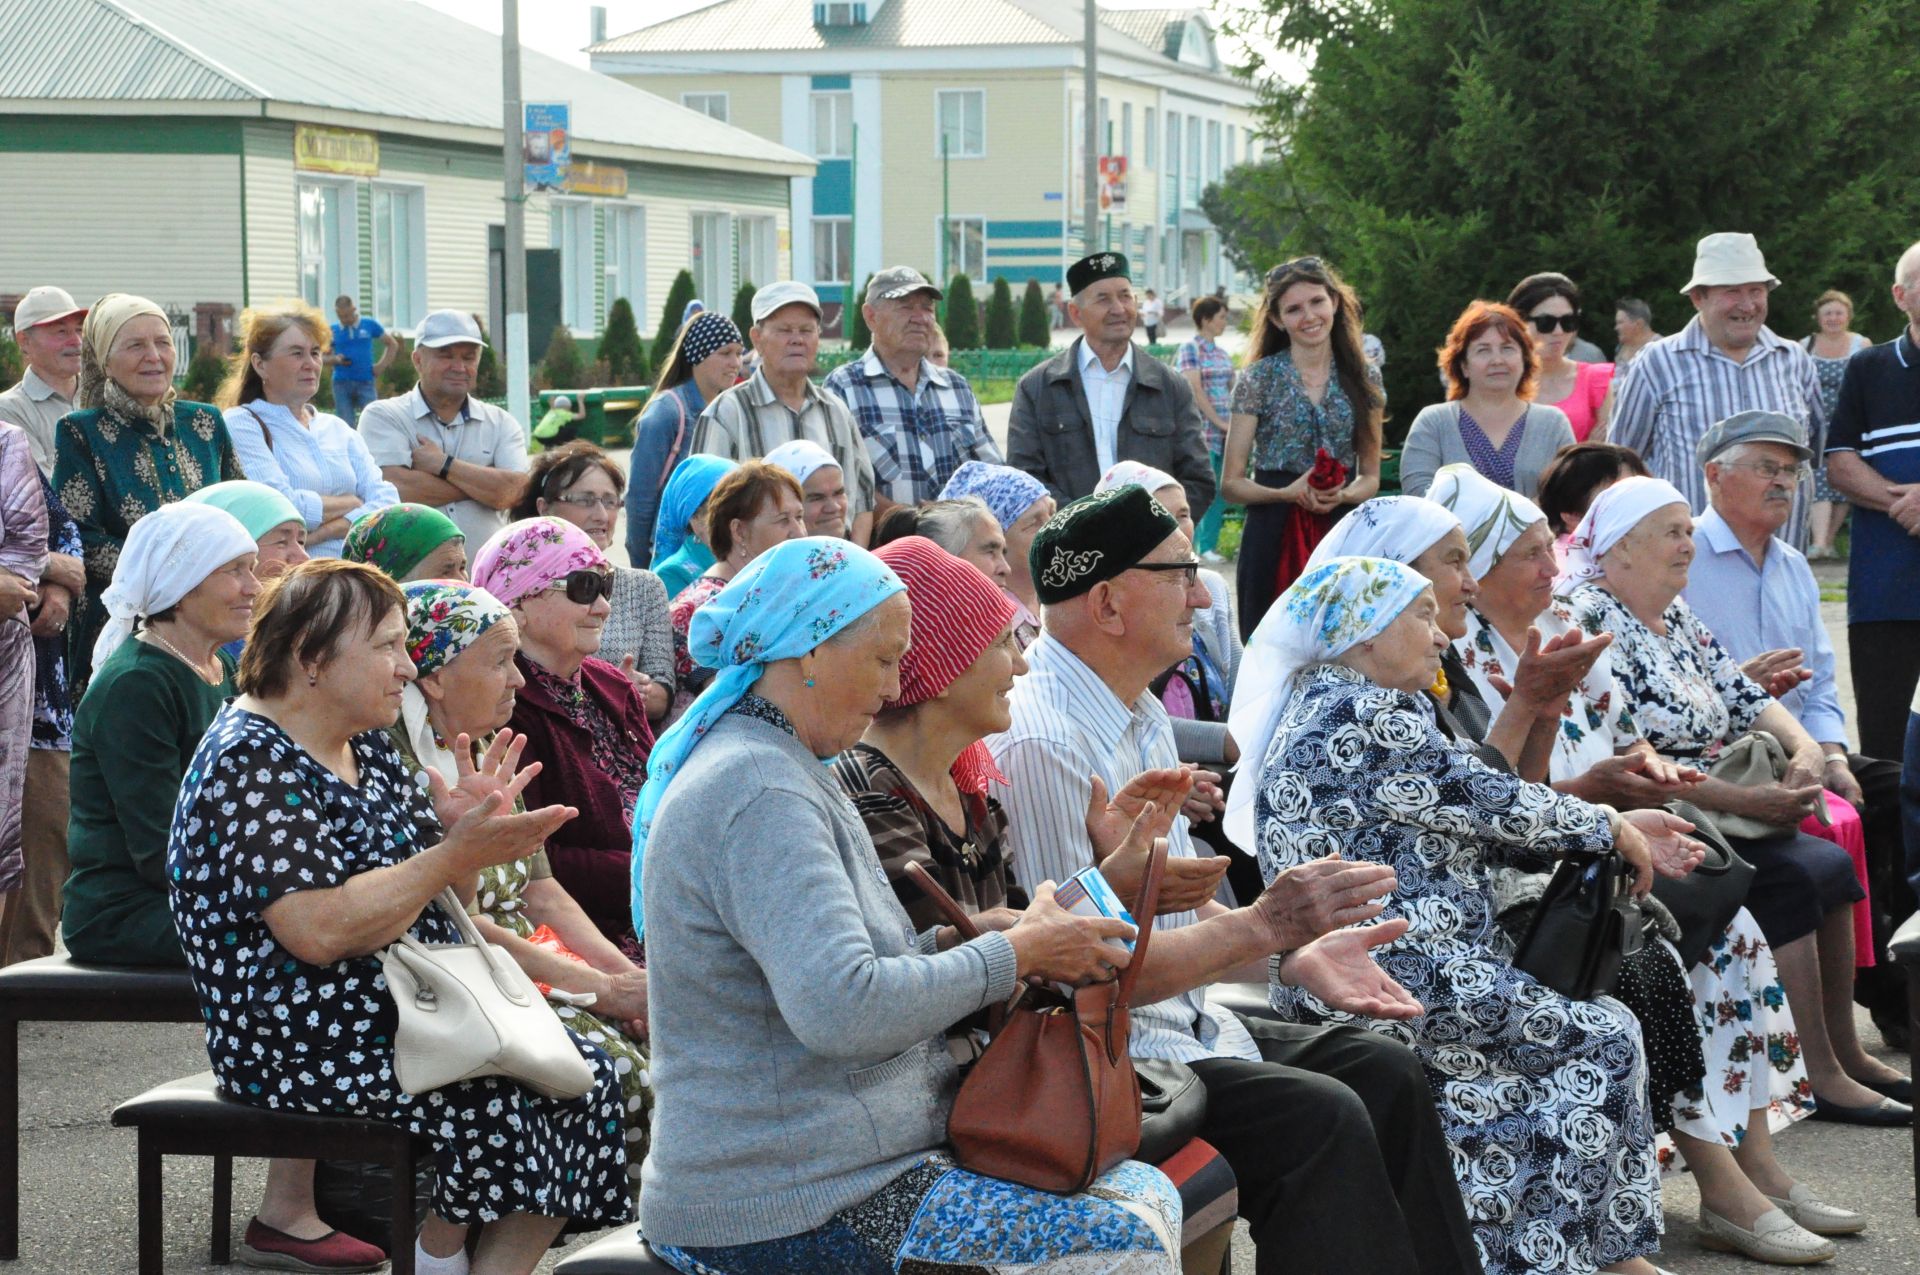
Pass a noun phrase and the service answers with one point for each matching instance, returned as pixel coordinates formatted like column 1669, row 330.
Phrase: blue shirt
column 1878, row 416
column 355, row 345
column 1767, row 606
column 915, row 438
column 662, row 437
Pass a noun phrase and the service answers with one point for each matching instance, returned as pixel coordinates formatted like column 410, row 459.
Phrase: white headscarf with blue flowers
column 1329, row 609
column 784, row 603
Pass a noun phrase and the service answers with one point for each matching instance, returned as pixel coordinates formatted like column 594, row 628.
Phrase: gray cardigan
column 799, row 1058
column 1434, row 440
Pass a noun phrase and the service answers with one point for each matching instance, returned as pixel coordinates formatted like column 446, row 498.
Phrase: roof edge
column 181, row 47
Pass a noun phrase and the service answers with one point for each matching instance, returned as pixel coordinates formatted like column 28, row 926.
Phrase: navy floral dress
column 258, row 819
column 1543, row 1099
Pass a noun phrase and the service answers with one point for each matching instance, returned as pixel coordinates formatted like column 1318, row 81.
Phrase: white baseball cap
column 448, row 327
column 776, row 296
column 44, row 305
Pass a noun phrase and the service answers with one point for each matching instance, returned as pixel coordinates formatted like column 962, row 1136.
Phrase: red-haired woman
column 1308, row 389
column 1488, row 420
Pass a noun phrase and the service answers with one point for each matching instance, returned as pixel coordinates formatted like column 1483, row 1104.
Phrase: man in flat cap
column 1101, row 400
column 1331, row 1132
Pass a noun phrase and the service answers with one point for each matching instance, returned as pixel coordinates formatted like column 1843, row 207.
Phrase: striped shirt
column 1068, row 725
column 1681, row 386
column 749, row 420
column 915, row 438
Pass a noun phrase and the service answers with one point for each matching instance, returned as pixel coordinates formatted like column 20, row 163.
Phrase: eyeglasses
column 1192, row 568
column 1299, row 265
column 585, row 586
column 1772, row 470
column 608, row 503
column 1544, row 324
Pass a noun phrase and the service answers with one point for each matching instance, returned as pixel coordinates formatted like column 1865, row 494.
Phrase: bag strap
column 1143, row 918
column 497, row 960
column 679, row 436
column 936, row 894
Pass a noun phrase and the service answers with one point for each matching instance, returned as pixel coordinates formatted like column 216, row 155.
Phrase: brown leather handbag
column 1053, row 1102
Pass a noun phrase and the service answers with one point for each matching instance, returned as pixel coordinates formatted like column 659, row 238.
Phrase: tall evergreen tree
column 1036, row 325
column 859, row 335
column 963, row 315
column 669, row 330
column 1000, row 326
column 621, row 349
column 743, row 306
column 563, row 368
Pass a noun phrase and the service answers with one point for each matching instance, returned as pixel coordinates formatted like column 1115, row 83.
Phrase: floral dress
column 690, row 678
column 1831, row 373
column 1543, row 1098
column 259, row 819
column 1747, row 1033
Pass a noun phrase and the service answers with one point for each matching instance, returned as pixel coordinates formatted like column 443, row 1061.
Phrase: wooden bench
column 56, row 989
column 191, row 1116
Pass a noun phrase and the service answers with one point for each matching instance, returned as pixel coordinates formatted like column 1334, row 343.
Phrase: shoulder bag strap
column 956, row 915
column 1143, row 917
column 679, row 436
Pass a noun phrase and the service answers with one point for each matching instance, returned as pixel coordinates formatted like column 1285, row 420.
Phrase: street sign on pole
column 547, row 143
column 1113, row 183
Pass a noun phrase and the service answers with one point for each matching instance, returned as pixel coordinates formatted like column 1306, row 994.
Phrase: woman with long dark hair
column 704, row 363
column 1308, row 389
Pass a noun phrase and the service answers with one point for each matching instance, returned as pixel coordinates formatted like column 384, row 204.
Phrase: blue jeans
column 350, row 398
column 1208, row 532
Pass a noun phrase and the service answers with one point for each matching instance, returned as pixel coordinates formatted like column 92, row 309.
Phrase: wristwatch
column 445, row 465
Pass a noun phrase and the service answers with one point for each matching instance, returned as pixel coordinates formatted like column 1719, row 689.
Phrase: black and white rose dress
column 1543, row 1098
column 258, row 819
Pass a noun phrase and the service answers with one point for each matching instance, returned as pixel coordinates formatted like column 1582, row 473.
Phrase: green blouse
column 133, row 736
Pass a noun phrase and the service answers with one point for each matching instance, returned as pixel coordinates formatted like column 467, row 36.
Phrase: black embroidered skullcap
column 1096, row 538
column 1087, row 271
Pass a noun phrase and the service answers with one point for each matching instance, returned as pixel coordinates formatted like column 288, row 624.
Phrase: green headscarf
column 258, row 507
column 398, row 538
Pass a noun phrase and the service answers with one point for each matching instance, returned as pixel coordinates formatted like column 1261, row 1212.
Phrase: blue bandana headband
column 785, row 602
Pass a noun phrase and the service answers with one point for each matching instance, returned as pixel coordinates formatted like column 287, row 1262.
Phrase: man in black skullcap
column 1103, row 400
column 1331, row 1132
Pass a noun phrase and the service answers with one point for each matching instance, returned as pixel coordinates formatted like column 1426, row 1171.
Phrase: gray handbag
column 1755, row 758
column 467, row 1010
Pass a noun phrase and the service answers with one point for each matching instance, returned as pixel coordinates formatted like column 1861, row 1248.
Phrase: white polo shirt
column 484, row 435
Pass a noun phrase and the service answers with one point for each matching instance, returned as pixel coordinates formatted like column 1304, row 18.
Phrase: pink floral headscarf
column 525, row 557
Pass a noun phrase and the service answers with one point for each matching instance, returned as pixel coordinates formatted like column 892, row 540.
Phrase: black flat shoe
column 1900, row 1090
column 1883, row 1114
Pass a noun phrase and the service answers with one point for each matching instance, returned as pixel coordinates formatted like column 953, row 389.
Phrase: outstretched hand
column 495, row 773
column 1185, row 883
column 1673, row 852
column 1550, row 669
column 1304, row 902
column 1778, row 672
column 1339, row 968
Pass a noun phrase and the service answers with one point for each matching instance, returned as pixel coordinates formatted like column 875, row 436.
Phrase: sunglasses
column 1299, row 265
column 585, row 586
column 1544, row 324
column 1192, row 569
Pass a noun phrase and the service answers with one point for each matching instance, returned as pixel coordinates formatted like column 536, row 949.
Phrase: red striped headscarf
column 957, row 614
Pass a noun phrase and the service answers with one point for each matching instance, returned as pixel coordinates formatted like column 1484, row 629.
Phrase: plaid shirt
column 1215, row 366
column 916, row 441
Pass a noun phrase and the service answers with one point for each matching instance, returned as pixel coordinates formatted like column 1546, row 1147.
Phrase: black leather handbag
column 1586, row 923
column 1704, row 901
column 1173, row 1106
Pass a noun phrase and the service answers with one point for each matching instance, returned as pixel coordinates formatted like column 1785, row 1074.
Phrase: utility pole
column 853, row 233
column 513, row 262
column 1091, row 92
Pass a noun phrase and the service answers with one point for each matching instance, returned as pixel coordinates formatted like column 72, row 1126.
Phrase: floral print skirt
column 1752, row 1048
column 938, row 1217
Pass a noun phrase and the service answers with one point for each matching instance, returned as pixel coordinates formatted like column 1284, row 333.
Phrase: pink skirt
column 1850, row 835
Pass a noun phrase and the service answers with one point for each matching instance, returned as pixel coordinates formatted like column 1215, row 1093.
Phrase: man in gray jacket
column 1101, row 400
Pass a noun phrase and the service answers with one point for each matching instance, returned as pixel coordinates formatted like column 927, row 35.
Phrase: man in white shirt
column 1331, row 1132
column 46, row 326
column 440, row 446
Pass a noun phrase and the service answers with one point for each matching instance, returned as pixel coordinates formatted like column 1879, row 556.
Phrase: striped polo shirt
column 1878, row 416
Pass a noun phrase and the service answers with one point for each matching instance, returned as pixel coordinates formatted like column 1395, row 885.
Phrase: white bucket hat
column 1728, row 259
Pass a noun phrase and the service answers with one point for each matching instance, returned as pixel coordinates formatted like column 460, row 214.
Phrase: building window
column 961, row 116
column 329, row 244
column 713, row 105
column 712, row 259
column 1233, row 145
column 832, row 250
column 626, row 258
column 1173, row 145
column 833, row 125
column 1150, row 135
column 1213, row 150
column 758, row 251
column 399, row 259
column 966, row 248
column 570, row 229
column 1126, row 130
column 1194, row 158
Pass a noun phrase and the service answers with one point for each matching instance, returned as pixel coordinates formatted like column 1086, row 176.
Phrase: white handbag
column 467, row 1010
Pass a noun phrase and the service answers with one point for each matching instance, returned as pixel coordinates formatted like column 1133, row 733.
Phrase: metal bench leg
column 400, row 1238
column 222, row 1210
column 9, row 1138
column 152, row 1222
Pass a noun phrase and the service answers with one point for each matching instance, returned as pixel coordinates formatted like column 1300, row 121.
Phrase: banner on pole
column 1113, row 183
column 547, row 145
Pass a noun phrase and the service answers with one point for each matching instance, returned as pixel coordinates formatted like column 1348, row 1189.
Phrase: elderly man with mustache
column 1725, row 361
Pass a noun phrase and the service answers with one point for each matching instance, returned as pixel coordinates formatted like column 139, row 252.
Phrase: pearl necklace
column 171, row 649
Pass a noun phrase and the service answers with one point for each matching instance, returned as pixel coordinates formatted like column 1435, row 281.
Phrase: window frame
column 939, row 122
column 842, row 102
column 822, row 278
column 624, row 278
column 714, row 289
column 568, row 216
column 722, row 96
column 345, row 246
column 749, row 226
column 415, row 283
column 950, row 263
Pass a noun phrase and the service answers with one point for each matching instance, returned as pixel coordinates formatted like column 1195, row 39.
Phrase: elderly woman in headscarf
column 462, row 641
column 823, row 485
column 1733, row 1007
column 1626, row 567
column 680, row 551
column 1023, row 504
column 583, row 719
column 23, row 556
column 182, row 590
column 778, row 947
column 132, row 447
column 704, row 363
column 409, row 542
column 278, row 530
column 1544, row 1099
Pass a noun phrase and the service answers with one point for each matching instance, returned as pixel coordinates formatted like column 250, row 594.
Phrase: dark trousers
column 1884, row 658
column 1339, row 1153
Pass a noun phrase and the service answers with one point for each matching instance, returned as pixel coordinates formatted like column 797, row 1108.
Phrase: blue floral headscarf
column 784, row 603
column 688, row 487
column 444, row 618
column 1009, row 492
column 1330, row 608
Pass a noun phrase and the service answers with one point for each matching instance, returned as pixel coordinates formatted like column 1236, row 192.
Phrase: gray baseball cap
column 777, row 296
column 448, row 327
column 44, row 305
column 1754, row 427
column 899, row 281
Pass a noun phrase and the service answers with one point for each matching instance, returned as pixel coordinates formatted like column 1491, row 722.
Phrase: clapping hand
column 1205, row 802
column 495, row 773
column 1302, row 903
column 1185, row 883
column 1673, row 852
column 1549, row 670
column 1339, row 968
column 1778, row 672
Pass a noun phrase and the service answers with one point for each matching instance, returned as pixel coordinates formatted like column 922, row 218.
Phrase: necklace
column 174, row 651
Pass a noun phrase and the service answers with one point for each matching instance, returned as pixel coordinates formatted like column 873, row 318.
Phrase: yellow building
column 948, row 133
